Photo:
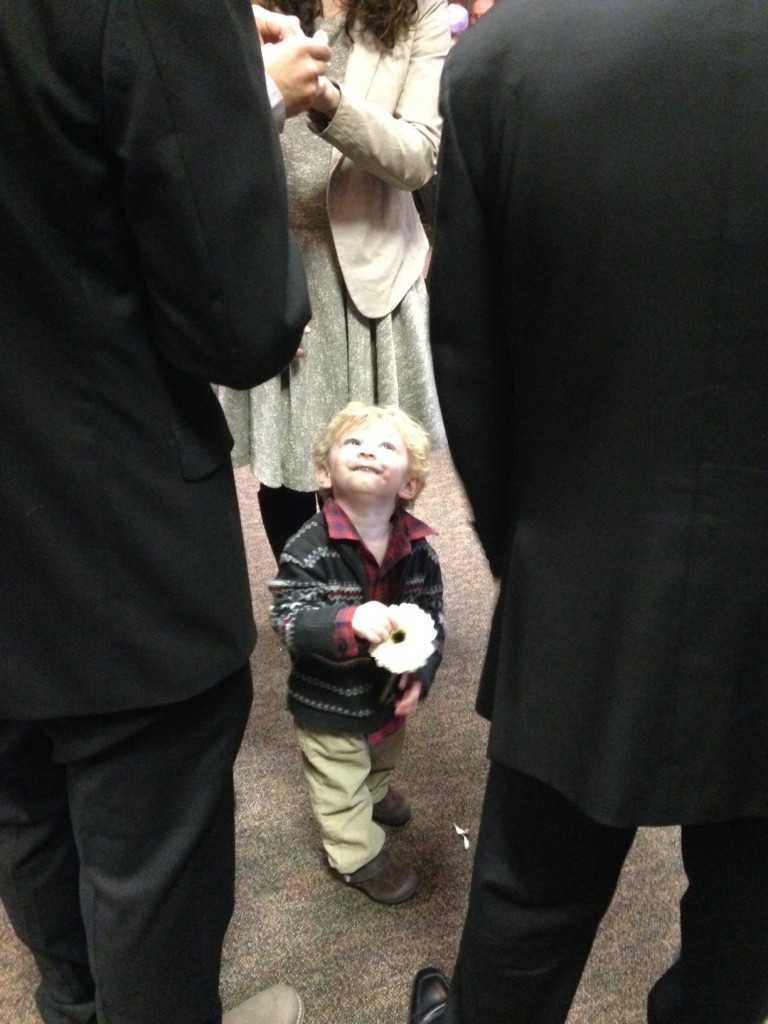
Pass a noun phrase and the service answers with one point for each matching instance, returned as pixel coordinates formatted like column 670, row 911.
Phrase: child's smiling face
column 368, row 461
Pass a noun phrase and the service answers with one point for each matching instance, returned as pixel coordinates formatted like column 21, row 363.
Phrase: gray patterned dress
column 347, row 356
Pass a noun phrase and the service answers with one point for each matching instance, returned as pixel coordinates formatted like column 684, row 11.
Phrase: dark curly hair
column 385, row 21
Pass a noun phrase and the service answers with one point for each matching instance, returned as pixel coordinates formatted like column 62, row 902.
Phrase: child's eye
column 388, row 445
column 352, row 440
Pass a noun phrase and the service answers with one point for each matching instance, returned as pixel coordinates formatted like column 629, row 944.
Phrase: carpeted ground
column 352, row 959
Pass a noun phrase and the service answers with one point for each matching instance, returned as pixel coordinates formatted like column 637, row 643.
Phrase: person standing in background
column 370, row 139
column 146, row 252
column 602, row 364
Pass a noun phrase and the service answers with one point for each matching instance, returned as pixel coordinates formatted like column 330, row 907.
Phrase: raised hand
column 295, row 65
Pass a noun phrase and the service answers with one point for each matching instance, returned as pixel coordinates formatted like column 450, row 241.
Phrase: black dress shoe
column 428, row 996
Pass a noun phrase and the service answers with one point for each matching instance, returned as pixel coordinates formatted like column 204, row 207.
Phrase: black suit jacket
column 145, row 252
column 600, row 331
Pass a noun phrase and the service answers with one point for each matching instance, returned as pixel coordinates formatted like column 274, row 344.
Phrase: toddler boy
column 337, row 578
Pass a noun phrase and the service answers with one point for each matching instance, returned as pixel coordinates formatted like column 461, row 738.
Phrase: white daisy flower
column 410, row 644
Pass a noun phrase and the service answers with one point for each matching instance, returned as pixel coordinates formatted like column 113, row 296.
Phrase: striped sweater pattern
column 316, row 577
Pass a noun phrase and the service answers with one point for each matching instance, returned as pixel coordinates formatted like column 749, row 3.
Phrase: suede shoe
column 428, row 996
column 279, row 1004
column 394, row 809
column 384, row 879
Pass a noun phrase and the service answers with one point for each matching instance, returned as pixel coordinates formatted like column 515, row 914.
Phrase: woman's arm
column 399, row 146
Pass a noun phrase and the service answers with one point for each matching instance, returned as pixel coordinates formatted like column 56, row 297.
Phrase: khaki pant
column 346, row 777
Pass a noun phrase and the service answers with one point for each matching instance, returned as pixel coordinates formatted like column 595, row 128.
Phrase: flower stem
column 388, row 687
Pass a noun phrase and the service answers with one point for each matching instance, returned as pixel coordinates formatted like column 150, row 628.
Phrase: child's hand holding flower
column 409, row 643
column 373, row 621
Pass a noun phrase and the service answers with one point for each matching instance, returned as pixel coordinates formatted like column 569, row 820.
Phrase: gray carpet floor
column 351, row 959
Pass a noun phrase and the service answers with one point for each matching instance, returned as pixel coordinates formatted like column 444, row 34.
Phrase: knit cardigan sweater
column 316, row 577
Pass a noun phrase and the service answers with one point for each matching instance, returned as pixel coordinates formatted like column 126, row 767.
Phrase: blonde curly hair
column 356, row 415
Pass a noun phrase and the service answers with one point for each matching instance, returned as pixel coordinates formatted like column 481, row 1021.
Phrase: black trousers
column 283, row 513
column 544, row 876
column 117, row 856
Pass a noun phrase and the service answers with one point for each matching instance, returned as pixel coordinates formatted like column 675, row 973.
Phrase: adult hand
column 373, row 622
column 273, row 27
column 327, row 97
column 295, row 65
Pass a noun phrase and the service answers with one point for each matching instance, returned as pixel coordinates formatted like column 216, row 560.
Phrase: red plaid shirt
column 382, row 581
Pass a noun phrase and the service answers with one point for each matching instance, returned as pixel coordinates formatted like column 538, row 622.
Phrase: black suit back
column 601, row 305
column 145, row 253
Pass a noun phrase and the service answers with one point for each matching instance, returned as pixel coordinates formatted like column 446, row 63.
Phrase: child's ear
column 323, row 477
column 410, row 489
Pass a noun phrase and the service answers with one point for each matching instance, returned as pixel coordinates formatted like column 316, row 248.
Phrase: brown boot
column 394, row 809
column 384, row 879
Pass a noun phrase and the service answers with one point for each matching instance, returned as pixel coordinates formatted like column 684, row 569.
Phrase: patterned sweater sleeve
column 430, row 599
column 424, row 588
column 306, row 598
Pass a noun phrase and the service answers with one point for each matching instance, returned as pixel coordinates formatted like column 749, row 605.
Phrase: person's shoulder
column 431, row 551
column 420, row 541
column 427, row 6
column 312, row 533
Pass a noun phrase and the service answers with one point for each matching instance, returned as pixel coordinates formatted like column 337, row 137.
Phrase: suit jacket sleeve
column 202, row 186
column 472, row 360
column 398, row 145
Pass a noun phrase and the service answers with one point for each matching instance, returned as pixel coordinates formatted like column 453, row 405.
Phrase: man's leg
column 152, row 807
column 543, row 877
column 39, row 873
column 722, row 974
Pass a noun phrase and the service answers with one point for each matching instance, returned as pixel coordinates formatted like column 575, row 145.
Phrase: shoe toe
column 279, row 1004
column 384, row 880
column 428, row 996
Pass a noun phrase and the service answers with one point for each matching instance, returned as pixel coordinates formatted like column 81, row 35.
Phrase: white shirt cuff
column 276, row 102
